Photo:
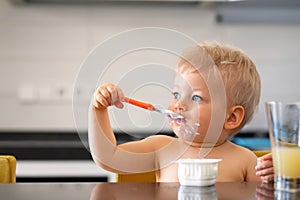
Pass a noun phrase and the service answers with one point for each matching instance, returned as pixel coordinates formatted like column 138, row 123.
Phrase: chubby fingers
column 107, row 95
column 263, row 163
column 264, row 168
column 266, row 157
column 116, row 95
column 265, row 172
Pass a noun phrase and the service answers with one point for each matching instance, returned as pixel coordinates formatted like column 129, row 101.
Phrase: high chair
column 7, row 169
column 138, row 177
column 260, row 153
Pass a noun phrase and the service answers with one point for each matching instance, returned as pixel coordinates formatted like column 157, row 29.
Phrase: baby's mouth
column 178, row 121
column 186, row 127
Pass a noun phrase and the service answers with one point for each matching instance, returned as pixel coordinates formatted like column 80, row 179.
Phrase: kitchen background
column 43, row 43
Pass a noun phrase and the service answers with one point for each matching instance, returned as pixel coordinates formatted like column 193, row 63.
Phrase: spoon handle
column 140, row 104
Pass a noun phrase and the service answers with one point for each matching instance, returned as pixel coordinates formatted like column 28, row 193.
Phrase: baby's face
column 191, row 99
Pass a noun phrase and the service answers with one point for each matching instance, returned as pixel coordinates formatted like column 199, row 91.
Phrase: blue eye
column 196, row 98
column 176, row 95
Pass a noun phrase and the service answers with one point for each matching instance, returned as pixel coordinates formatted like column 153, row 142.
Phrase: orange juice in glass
column 284, row 123
column 287, row 162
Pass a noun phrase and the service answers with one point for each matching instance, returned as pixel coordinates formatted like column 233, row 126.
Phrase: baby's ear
column 234, row 117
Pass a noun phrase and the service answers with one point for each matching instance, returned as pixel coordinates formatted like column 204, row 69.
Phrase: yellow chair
column 260, row 153
column 7, row 169
column 138, row 177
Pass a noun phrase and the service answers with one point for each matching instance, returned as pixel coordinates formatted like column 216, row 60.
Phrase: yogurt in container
column 197, row 172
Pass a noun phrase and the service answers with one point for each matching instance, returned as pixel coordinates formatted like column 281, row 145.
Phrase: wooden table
column 140, row 191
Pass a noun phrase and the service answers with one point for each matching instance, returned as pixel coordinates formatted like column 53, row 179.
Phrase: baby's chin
column 194, row 139
column 186, row 137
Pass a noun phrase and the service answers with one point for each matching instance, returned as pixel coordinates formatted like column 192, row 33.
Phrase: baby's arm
column 105, row 96
column 103, row 145
column 102, row 140
column 264, row 168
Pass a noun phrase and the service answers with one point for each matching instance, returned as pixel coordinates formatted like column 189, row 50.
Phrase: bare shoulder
column 240, row 150
column 249, row 162
column 242, row 158
column 246, row 155
column 228, row 149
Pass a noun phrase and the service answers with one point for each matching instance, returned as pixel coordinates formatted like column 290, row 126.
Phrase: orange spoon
column 150, row 107
column 140, row 104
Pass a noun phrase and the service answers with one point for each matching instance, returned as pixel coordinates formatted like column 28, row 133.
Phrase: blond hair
column 240, row 77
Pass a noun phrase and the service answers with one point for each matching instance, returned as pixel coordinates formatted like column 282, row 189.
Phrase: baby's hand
column 264, row 168
column 107, row 95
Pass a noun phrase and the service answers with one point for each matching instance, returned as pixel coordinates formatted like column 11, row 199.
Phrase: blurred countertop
column 55, row 170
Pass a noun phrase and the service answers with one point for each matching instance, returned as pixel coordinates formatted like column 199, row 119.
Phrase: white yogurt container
column 197, row 172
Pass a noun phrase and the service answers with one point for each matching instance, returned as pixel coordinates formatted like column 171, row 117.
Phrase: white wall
column 43, row 46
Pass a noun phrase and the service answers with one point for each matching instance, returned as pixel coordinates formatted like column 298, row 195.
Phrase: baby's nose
column 179, row 107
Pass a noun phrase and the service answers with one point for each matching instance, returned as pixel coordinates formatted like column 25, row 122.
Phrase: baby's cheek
column 171, row 105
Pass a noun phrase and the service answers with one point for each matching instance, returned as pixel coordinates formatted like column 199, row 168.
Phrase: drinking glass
column 284, row 123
